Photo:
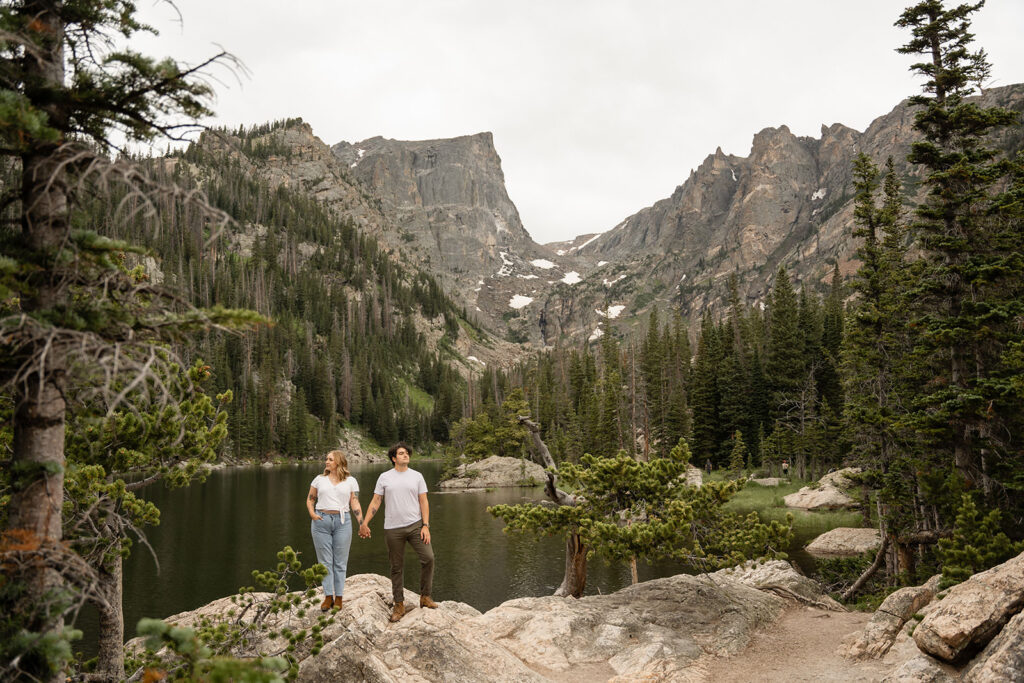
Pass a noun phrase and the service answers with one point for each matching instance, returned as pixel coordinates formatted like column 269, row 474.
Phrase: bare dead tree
column 575, row 578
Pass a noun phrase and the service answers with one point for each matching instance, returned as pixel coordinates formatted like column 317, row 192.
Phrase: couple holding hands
column 333, row 500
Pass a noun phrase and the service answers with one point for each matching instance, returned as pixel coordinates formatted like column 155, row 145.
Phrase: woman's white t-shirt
column 334, row 496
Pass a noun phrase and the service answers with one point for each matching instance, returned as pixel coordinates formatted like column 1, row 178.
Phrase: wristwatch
column 426, row 524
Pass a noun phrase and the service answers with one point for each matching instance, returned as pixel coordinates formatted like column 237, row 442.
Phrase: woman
column 332, row 499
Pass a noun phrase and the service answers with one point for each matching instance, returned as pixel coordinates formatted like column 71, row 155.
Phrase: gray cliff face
column 447, row 201
column 790, row 202
column 442, row 205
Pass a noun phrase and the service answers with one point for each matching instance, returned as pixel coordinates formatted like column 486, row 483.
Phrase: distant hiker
column 331, row 501
column 785, row 468
column 406, row 520
column 707, row 465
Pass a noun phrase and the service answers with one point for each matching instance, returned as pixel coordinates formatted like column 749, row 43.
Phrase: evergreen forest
column 158, row 314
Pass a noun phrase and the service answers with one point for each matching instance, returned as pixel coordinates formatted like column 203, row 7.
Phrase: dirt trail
column 801, row 646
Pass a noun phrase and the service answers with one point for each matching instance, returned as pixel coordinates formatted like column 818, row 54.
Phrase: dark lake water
column 213, row 535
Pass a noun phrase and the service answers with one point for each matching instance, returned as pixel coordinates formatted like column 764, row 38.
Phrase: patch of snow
column 542, row 263
column 560, row 252
column 506, row 265
column 587, row 242
column 477, row 289
column 734, row 178
column 353, row 164
column 531, row 276
column 682, row 278
column 474, row 358
column 480, row 282
column 609, row 283
column 572, row 277
column 600, row 313
column 596, row 334
column 614, row 311
column 360, row 152
column 478, row 308
column 761, row 305
column 602, row 263
column 819, row 194
column 518, row 301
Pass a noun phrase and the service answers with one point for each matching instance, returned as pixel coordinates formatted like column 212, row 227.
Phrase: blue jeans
column 332, row 537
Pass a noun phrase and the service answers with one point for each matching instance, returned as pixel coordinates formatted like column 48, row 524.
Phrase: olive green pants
column 396, row 540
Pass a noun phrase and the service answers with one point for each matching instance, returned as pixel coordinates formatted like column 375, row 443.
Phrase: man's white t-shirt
column 334, row 496
column 401, row 492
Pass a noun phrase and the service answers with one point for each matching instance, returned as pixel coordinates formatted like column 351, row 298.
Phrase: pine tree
column 78, row 315
column 738, row 457
column 977, row 544
column 785, row 361
column 968, row 295
column 704, row 397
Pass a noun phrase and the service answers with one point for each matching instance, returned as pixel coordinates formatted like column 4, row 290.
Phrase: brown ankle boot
column 425, row 601
column 337, row 602
column 326, row 604
column 398, row 612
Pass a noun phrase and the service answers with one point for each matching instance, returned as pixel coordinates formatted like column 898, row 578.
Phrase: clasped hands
column 364, row 531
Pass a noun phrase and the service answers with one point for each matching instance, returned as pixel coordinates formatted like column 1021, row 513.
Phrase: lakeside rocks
column 845, row 542
column 983, row 615
column 496, row 472
column 781, row 578
column 973, row 612
column 667, row 629
column 829, row 494
column 655, row 630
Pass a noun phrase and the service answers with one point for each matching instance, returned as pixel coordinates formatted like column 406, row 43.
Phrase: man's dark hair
column 393, row 451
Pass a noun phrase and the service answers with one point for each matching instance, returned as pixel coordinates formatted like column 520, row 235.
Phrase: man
column 406, row 520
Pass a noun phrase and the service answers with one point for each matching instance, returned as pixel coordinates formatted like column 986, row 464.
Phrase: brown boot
column 337, row 602
column 425, row 601
column 326, row 604
column 398, row 612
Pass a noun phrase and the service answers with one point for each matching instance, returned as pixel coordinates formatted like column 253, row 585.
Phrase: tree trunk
column 575, row 579
column 37, row 492
column 110, row 666
column 870, row 571
column 632, row 571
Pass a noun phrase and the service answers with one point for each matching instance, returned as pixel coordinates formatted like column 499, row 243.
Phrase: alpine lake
column 213, row 535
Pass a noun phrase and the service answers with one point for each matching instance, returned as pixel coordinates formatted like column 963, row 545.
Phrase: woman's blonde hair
column 342, row 464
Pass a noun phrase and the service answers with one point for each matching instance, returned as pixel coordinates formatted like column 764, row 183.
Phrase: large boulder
column 653, row 630
column 779, row 577
column 829, row 493
column 1003, row 658
column 880, row 633
column 657, row 630
column 694, row 476
column 844, row 542
column 923, row 669
column 973, row 612
column 426, row 645
column 496, row 472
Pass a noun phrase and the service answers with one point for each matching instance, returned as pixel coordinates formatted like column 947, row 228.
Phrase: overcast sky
column 598, row 108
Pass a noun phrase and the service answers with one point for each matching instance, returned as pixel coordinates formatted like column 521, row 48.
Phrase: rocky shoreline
column 680, row 628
